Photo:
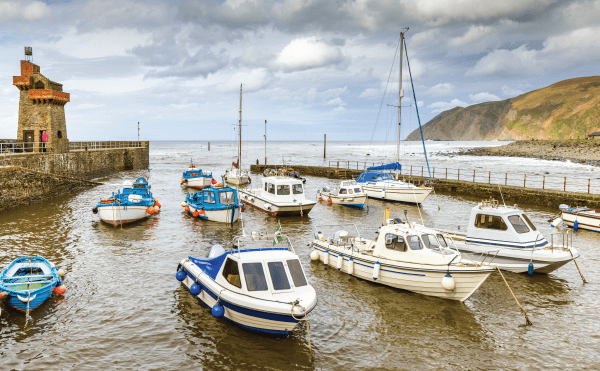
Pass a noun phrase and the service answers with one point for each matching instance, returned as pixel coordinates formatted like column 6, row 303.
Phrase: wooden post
column 473, row 176
column 524, row 180
column 338, row 165
column 506, row 179
column 458, row 177
column 209, row 146
column 565, row 187
column 421, row 171
column 324, row 145
column 544, row 183
column 434, row 174
column 588, row 185
column 410, row 170
column 446, row 173
column 490, row 177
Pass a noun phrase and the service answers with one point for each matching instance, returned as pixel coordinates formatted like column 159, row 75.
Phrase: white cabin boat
column 259, row 289
column 349, row 194
column 278, row 196
column 581, row 217
column 504, row 236
column 412, row 258
column 382, row 186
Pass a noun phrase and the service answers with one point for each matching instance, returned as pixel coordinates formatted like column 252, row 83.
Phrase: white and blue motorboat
column 349, row 194
column 28, row 282
column 217, row 203
column 504, row 236
column 379, row 183
column 262, row 289
column 196, row 178
column 135, row 202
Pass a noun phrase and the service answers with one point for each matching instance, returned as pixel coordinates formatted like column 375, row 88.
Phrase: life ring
column 26, row 300
column 219, row 185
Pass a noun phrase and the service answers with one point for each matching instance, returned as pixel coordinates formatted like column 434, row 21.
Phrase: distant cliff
column 567, row 109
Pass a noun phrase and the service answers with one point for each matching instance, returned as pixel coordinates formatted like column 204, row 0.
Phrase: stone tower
column 42, row 124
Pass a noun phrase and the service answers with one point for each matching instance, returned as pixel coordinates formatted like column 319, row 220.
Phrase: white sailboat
column 378, row 182
column 236, row 175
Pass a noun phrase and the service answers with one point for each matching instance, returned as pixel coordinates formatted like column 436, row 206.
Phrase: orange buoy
column 329, row 200
column 182, row 180
column 156, row 209
column 3, row 295
column 201, row 212
column 59, row 290
column 320, row 198
column 150, row 210
column 243, row 208
column 195, row 213
column 156, row 203
column 214, row 181
column 187, row 208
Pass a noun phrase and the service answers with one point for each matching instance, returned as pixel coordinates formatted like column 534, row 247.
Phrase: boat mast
column 240, row 132
column 400, row 94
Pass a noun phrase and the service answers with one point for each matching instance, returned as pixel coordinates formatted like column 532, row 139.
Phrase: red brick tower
column 42, row 122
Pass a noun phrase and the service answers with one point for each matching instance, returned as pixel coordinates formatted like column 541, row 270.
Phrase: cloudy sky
column 309, row 67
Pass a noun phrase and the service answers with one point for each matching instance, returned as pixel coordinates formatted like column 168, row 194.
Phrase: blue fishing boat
column 196, row 178
column 218, row 204
column 28, row 282
column 135, row 202
column 261, row 289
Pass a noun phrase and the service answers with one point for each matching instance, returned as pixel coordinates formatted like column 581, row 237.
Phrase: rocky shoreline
column 579, row 151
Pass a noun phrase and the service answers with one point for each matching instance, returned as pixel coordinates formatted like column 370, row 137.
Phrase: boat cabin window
column 278, row 276
column 414, row 242
column 345, row 184
column 283, row 189
column 393, row 242
column 343, row 191
column 231, row 272
column 226, row 197
column 209, row 197
column 271, row 188
column 265, row 186
column 296, row 272
column 357, row 190
column 518, row 224
column 529, row 222
column 430, row 241
column 255, row 277
column 350, row 191
column 297, row 189
column 383, row 177
column 490, row 222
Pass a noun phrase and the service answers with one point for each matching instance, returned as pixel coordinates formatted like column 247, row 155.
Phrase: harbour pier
column 547, row 191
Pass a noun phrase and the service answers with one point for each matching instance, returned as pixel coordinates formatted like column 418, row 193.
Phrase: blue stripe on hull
column 359, row 206
column 505, row 244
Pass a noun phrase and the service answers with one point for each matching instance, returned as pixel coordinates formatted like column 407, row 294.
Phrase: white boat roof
column 270, row 254
column 281, row 180
column 498, row 209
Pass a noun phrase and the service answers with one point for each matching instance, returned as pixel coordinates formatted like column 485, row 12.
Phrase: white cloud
column 483, row 97
column 370, row 93
column 87, row 106
column 23, row 10
column 307, row 53
column 420, row 103
column 337, row 101
column 313, row 94
column 510, row 91
column 558, row 52
column 444, row 106
column 253, row 80
column 441, row 89
column 339, row 109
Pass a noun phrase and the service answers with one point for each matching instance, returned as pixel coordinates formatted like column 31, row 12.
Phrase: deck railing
column 534, row 181
column 88, row 146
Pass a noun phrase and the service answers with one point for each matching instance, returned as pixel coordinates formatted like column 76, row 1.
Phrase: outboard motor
column 326, row 189
column 563, row 207
column 216, row 250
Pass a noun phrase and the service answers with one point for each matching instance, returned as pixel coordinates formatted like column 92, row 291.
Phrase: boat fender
column 326, row 258
column 243, row 208
column 26, row 300
column 150, row 210
column 157, row 204
column 3, row 295
column 61, row 273
column 448, row 282
column 195, row 289
column 187, row 208
column 575, row 224
column 267, row 206
column 59, row 290
column 180, row 275
column 340, row 261
column 530, row 269
column 201, row 212
column 156, row 209
column 195, row 213
column 351, row 266
column 314, row 255
column 95, row 210
column 184, row 204
column 214, row 181
column 217, row 310
column 329, row 200
column 376, row 269
column 383, row 193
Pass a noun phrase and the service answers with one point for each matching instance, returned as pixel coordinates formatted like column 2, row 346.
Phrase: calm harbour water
column 124, row 309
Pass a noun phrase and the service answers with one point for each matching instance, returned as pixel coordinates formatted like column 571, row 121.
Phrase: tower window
column 59, row 134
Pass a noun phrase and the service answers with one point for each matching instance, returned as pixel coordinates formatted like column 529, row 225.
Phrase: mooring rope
column 527, row 321
column 305, row 319
column 577, row 265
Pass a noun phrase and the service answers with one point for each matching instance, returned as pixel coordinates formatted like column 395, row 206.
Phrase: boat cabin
column 349, row 187
column 502, row 226
column 193, row 172
column 374, row 176
column 282, row 189
column 217, row 197
column 140, row 187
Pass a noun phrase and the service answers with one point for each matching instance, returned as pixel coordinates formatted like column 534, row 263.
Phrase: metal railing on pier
column 534, row 181
column 23, row 147
column 88, row 146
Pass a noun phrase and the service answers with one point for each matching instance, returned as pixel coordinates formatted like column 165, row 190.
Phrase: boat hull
column 237, row 180
column 273, row 322
column 40, row 297
column 358, row 202
column 119, row 215
column 198, row 183
column 584, row 221
column 426, row 280
column 222, row 216
column 405, row 195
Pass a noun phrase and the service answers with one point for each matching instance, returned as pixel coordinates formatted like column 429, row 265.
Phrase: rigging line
column 383, row 98
column 417, row 108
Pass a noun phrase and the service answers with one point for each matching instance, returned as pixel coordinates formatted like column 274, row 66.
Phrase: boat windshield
column 226, row 197
column 393, row 242
column 414, row 242
column 283, row 189
column 297, row 189
column 278, row 276
column 430, row 241
column 255, row 277
column 383, row 177
column 357, row 190
column 231, row 272
column 529, row 222
column 296, row 272
column 518, row 224
column 209, row 197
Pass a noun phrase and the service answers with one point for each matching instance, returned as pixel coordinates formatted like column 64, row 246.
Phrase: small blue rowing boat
column 217, row 203
column 29, row 281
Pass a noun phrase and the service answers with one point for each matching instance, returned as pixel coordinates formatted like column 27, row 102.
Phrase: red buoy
column 201, row 212
column 195, row 213
column 59, row 290
column 214, row 181
column 187, row 208
column 150, row 210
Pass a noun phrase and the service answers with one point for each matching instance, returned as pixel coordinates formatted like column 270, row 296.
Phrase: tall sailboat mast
column 400, row 95
column 240, row 132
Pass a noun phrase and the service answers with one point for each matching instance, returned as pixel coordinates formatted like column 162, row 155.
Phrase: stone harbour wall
column 83, row 164
column 20, row 186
